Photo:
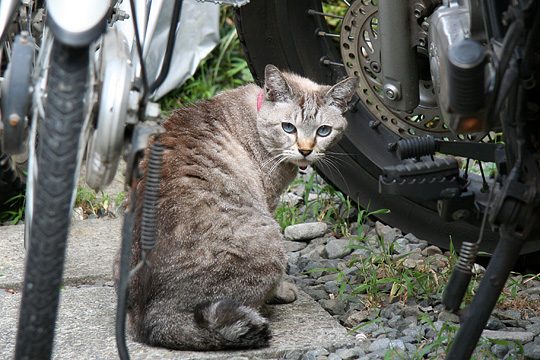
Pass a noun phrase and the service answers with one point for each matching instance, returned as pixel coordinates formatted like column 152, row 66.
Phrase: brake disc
column 361, row 53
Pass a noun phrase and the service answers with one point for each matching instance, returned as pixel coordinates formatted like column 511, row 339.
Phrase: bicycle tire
column 57, row 163
column 282, row 33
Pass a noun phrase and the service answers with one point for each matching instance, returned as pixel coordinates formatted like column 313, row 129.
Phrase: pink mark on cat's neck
column 260, row 99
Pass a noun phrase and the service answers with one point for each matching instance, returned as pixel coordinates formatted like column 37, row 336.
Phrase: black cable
column 123, row 283
column 164, row 71
column 139, row 52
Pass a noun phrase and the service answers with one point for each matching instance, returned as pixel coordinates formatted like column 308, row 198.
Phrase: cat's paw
column 285, row 293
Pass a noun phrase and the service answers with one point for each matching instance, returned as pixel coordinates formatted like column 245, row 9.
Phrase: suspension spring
column 467, row 256
column 151, row 197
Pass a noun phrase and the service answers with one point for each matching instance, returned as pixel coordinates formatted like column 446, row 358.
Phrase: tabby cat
column 219, row 254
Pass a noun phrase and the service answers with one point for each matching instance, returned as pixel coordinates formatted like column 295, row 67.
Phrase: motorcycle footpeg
column 428, row 179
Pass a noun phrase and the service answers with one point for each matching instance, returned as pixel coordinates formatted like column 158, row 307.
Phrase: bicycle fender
column 77, row 22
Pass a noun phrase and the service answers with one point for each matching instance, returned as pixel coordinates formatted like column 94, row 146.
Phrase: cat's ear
column 275, row 85
column 340, row 94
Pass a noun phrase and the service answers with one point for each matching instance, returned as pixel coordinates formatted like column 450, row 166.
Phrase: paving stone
column 91, row 247
column 85, row 329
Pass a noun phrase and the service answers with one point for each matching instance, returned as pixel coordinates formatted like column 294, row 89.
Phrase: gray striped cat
column 219, row 254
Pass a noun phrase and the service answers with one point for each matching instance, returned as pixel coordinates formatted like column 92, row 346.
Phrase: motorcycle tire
column 282, row 33
column 57, row 161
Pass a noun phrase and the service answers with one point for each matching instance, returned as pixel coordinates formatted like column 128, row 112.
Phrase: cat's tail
column 237, row 326
column 219, row 325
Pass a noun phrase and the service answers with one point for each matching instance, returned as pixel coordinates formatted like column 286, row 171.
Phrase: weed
column 224, row 68
column 98, row 204
column 14, row 209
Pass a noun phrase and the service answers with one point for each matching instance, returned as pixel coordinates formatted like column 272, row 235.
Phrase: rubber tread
column 57, row 163
column 282, row 33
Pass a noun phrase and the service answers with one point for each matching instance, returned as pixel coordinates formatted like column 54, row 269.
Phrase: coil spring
column 151, row 196
column 416, row 147
column 467, row 256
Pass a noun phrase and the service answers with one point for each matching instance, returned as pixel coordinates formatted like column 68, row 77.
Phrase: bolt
column 392, row 146
column 374, row 124
column 419, row 10
column 425, row 26
column 375, row 66
column 422, row 42
column 14, row 119
column 391, row 92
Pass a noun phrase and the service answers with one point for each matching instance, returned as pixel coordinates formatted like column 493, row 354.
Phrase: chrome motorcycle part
column 398, row 57
column 105, row 144
column 466, row 63
column 449, row 29
column 7, row 9
column 16, row 94
column 77, row 22
column 360, row 45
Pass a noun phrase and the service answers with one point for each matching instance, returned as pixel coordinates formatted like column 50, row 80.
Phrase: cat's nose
column 305, row 152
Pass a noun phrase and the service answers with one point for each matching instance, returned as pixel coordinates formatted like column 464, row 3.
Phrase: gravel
column 333, row 270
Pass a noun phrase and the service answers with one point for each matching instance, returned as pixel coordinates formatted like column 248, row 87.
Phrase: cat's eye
column 324, row 130
column 288, row 127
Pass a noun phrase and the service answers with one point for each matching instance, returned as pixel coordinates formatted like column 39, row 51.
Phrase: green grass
column 318, row 203
column 13, row 209
column 224, row 68
column 98, row 204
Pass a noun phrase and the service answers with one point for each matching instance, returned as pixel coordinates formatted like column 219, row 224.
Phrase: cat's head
column 298, row 120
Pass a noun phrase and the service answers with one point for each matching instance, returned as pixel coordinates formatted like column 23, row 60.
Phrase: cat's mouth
column 302, row 164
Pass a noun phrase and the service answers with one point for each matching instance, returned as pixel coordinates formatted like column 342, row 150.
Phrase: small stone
column 532, row 350
column 292, row 246
column 509, row 314
column 431, row 250
column 387, row 234
column 534, row 328
column 290, row 199
column 533, row 291
column 401, row 246
column 333, row 306
column 448, row 316
column 305, row 232
column 355, row 317
column 314, row 354
column 521, row 336
column 317, row 292
column 334, row 357
column 337, row 248
column 499, row 350
column 347, row 354
column 410, row 263
column 379, row 344
column 494, row 324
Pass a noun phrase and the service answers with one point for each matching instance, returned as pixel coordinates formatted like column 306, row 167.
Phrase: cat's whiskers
column 328, row 162
column 276, row 164
column 271, row 159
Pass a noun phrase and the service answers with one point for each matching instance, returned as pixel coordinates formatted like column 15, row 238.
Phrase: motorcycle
column 73, row 83
column 441, row 83
column 437, row 77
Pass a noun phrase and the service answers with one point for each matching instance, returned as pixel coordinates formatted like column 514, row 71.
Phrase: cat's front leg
column 285, row 293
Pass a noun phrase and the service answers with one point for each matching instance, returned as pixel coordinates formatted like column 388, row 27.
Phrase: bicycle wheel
column 54, row 180
column 294, row 35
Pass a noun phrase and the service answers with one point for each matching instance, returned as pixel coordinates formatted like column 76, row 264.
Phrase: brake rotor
column 361, row 53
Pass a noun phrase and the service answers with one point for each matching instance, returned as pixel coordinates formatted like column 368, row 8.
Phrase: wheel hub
column 361, row 53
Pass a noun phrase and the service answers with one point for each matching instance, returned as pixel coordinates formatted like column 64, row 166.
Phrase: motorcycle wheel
column 53, row 182
column 283, row 33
